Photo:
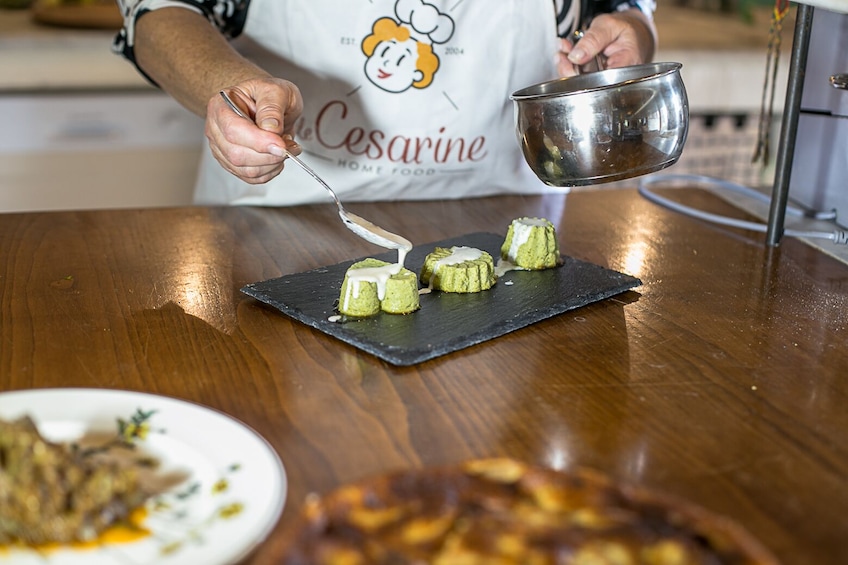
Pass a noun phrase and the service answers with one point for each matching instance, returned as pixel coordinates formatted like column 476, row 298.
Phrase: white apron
column 397, row 115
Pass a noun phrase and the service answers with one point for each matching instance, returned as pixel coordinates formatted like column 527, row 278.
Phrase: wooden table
column 723, row 379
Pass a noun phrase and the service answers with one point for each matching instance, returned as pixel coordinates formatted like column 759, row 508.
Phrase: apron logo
column 400, row 51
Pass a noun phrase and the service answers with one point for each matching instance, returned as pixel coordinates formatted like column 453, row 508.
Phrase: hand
column 622, row 38
column 254, row 150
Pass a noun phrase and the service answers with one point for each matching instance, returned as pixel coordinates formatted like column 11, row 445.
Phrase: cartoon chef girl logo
column 400, row 52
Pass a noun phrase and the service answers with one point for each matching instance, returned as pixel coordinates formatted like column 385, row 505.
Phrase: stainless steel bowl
column 603, row 126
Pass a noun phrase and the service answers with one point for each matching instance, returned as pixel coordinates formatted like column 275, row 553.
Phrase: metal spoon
column 358, row 225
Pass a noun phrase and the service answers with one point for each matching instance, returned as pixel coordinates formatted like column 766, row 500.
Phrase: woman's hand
column 254, row 150
column 622, row 38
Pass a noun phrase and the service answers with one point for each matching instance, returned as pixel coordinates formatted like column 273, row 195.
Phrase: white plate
column 230, row 501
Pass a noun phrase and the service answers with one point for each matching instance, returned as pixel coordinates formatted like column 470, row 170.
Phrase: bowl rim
column 595, row 81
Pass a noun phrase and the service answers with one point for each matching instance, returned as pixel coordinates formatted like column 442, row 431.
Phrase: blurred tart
column 502, row 511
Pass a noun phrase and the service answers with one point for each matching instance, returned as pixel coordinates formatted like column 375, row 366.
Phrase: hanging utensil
column 762, row 151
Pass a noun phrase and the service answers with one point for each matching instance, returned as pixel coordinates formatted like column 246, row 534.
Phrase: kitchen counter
column 720, row 380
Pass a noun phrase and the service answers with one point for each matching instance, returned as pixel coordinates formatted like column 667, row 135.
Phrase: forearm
column 188, row 58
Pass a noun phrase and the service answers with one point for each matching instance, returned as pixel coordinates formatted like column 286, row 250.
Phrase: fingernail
column 276, row 150
column 269, row 124
column 576, row 55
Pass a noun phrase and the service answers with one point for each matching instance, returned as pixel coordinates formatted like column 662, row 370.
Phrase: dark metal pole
column 789, row 126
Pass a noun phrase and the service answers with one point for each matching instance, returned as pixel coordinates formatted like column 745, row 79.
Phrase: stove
column 819, row 178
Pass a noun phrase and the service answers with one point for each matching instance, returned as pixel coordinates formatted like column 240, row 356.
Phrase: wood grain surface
column 722, row 379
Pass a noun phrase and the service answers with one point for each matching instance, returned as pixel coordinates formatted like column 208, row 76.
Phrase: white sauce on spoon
column 377, row 235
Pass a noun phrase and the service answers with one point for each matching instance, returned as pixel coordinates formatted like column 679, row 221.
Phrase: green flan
column 531, row 243
column 458, row 269
column 372, row 285
column 401, row 293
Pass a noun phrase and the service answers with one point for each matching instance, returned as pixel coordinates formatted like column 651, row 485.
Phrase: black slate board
column 446, row 322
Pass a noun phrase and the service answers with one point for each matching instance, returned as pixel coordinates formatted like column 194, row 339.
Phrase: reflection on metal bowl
column 603, row 126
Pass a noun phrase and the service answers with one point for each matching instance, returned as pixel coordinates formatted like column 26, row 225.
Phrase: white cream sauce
column 521, row 230
column 503, row 266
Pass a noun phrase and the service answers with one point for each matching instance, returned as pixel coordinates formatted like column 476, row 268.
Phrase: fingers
column 254, row 149
column 565, row 67
column 623, row 38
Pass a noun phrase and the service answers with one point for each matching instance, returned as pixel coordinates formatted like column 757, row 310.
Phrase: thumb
column 269, row 116
column 270, row 103
column 584, row 50
column 601, row 33
column 277, row 104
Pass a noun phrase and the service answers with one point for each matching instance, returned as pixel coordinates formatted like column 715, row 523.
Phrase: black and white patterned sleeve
column 228, row 16
column 574, row 14
column 647, row 6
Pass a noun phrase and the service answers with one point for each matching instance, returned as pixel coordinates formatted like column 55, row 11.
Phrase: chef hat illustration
column 426, row 23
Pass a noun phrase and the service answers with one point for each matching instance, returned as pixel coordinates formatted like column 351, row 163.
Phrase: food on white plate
column 54, row 493
column 507, row 512
column 458, row 269
column 371, row 286
column 531, row 243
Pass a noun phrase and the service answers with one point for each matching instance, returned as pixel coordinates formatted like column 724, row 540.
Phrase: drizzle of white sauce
column 503, row 266
column 521, row 229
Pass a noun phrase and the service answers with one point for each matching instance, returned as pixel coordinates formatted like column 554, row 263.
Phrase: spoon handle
column 232, row 105
column 314, row 175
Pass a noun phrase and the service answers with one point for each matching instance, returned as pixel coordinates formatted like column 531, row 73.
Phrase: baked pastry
column 506, row 512
column 372, row 285
column 458, row 269
column 531, row 243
